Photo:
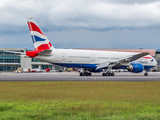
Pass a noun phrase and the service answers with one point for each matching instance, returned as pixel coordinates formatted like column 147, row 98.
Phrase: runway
column 74, row 76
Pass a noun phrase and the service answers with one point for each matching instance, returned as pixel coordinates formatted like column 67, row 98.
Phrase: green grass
column 80, row 100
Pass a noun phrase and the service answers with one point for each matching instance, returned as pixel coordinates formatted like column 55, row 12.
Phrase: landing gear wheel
column 103, row 74
column 81, row 74
column 145, row 74
column 84, row 74
column 89, row 74
column 109, row 74
column 112, row 74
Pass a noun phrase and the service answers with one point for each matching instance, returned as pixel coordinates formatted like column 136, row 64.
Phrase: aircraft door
column 63, row 56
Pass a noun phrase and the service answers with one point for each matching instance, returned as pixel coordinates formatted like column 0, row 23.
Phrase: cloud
column 16, row 41
column 125, row 38
column 82, row 23
column 82, row 14
column 131, row 1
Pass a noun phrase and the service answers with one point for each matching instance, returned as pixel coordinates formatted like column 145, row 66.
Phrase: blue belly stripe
column 91, row 66
column 72, row 65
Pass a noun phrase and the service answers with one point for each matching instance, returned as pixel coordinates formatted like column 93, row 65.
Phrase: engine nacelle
column 135, row 67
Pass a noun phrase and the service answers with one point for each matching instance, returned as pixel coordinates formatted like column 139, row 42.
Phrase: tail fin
column 40, row 41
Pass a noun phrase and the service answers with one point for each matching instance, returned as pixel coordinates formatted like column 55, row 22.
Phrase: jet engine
column 135, row 67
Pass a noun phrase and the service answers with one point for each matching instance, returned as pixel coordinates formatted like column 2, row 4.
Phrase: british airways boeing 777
column 89, row 60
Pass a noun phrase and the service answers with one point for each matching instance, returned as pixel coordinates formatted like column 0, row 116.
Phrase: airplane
column 88, row 60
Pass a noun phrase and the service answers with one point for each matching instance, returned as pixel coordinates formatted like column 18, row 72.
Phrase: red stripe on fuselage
column 34, row 27
column 147, row 57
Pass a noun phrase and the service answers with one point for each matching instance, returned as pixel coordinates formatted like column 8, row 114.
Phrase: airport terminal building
column 11, row 61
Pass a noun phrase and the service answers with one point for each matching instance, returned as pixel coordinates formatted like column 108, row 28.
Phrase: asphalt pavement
column 74, row 76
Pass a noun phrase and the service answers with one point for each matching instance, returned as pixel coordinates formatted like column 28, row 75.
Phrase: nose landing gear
column 146, row 74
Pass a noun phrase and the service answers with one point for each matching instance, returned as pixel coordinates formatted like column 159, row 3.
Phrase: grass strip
column 80, row 100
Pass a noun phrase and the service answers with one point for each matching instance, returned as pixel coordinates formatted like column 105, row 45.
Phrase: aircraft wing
column 121, row 61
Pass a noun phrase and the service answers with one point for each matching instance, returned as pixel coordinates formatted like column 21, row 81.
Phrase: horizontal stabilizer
column 22, row 53
column 35, row 53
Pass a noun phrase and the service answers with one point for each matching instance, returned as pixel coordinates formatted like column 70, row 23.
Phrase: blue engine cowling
column 135, row 67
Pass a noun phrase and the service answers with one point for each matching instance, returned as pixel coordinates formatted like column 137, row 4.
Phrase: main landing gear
column 85, row 74
column 108, row 74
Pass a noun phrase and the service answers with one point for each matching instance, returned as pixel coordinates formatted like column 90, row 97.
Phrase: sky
column 100, row 24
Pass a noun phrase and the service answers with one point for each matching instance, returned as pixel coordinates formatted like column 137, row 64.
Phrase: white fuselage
column 91, row 58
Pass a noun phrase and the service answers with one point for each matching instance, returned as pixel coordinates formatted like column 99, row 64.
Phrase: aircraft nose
column 154, row 61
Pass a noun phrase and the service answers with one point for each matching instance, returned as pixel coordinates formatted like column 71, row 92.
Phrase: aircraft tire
column 112, row 74
column 84, row 74
column 89, row 74
column 81, row 74
column 103, row 74
column 109, row 74
column 145, row 74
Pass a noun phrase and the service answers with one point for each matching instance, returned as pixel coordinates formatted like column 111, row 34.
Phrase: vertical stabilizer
column 40, row 41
